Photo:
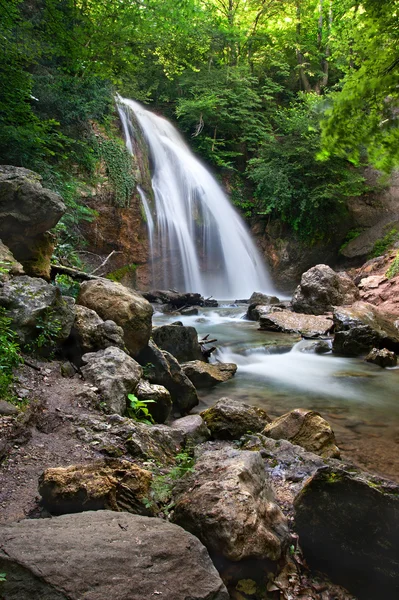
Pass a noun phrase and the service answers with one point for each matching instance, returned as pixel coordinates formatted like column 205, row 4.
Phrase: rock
column 304, row 428
column 162, row 368
column 259, row 299
column 35, row 307
column 160, row 409
column 204, row 375
column 105, row 554
column 229, row 419
column 127, row 308
column 362, row 327
column 348, row 525
column 321, row 289
column 156, row 442
column 115, row 374
column 256, row 311
column 8, row 262
column 27, row 212
column 228, row 503
column 103, row 485
column 319, row 347
column 7, row 409
column 178, row 340
column 190, row 311
column 383, row 358
column 290, row 322
column 194, row 429
column 173, row 298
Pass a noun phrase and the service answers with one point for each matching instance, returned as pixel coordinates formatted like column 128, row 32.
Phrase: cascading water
column 203, row 243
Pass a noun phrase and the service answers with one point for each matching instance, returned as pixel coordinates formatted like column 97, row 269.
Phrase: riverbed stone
column 321, row 289
column 31, row 302
column 362, row 327
column 161, row 407
column 103, row 554
column 348, row 526
column 115, row 374
column 305, row 428
column 107, row 484
column 228, row 503
column 258, row 298
column 291, row 322
column 178, row 340
column 193, row 428
column 152, row 442
column 205, row 375
column 383, row 358
column 128, row 309
column 229, row 419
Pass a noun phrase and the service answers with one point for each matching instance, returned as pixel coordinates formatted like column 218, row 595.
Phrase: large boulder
column 290, row 322
column 304, row 428
column 258, row 299
column 27, row 212
column 178, row 340
column 103, row 485
column 348, row 525
column 157, row 442
column 115, row 374
column 228, row 503
column 193, row 428
column 126, row 307
column 103, row 554
column 321, row 289
column 204, row 375
column 162, row 368
column 37, row 308
column 174, row 299
column 362, row 327
column 230, row 419
column 161, row 404
column 383, row 358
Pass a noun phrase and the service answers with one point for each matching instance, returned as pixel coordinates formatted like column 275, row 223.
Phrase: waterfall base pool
column 279, row 372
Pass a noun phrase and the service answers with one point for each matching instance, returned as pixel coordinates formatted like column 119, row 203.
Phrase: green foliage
column 138, row 410
column 3, row 577
column 162, row 485
column 119, row 166
column 119, row 274
column 10, row 356
column 148, row 369
column 48, row 327
column 67, row 285
column 351, row 235
column 394, row 267
column 382, row 245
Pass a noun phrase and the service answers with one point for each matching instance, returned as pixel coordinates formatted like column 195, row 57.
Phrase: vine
column 119, row 166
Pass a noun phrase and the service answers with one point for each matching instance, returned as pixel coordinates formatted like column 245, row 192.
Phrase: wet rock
column 258, row 298
column 103, row 485
column 319, row 347
column 256, row 311
column 109, row 555
column 162, row 368
column 173, row 298
column 362, row 327
column 8, row 262
column 8, row 409
column 228, row 503
column 178, row 340
column 27, row 212
column 190, row 311
column 290, row 322
column 115, row 374
column 348, row 528
column 128, row 309
column 211, row 303
column 193, row 428
column 204, row 375
column 383, row 358
column 305, row 428
column 321, row 289
column 161, row 407
column 229, row 419
column 31, row 302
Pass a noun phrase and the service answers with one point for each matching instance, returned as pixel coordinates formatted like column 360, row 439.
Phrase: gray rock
column 228, row 503
column 105, row 554
column 161, row 408
column 348, row 525
column 256, row 311
column 194, row 429
column 115, row 374
column 230, row 419
column 321, row 289
column 362, row 327
column 31, row 302
column 156, row 442
column 8, row 409
column 258, row 298
column 8, row 262
column 92, row 333
column 128, row 309
column 383, row 358
column 178, row 340
column 205, row 375
column 290, row 322
column 189, row 311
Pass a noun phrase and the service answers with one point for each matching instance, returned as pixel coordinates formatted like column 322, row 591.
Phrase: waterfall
column 198, row 241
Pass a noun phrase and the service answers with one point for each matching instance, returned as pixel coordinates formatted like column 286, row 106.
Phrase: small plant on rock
column 138, row 410
column 9, row 355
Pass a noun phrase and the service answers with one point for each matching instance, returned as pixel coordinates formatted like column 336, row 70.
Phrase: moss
column 119, row 274
column 394, row 267
column 248, row 586
column 382, row 245
column 333, row 477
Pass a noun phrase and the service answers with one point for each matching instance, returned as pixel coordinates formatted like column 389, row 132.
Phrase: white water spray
column 204, row 244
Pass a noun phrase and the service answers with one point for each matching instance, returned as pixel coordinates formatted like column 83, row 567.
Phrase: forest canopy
column 287, row 99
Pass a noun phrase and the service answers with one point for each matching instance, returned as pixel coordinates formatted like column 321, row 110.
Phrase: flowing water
column 202, row 241
column 280, row 372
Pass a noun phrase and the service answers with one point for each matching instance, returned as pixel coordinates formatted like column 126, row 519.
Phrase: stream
column 279, row 372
